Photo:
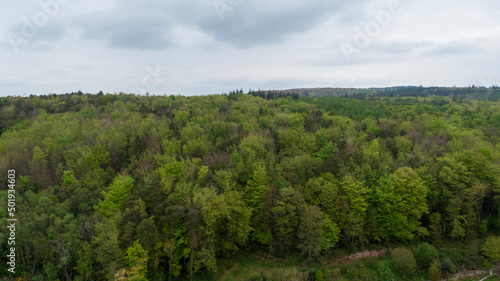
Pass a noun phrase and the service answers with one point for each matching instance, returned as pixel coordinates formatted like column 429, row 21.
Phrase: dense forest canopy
column 116, row 186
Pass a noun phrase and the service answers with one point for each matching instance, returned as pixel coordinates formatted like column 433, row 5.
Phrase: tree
column 254, row 198
column 310, row 232
column 435, row 271
column 119, row 190
column 404, row 261
column 491, row 249
column 425, row 254
column 225, row 224
column 355, row 194
column 109, row 255
column 411, row 195
column 286, row 213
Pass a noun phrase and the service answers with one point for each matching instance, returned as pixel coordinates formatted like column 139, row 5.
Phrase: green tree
column 119, row 190
column 435, row 271
column 425, row 254
column 404, row 261
column 491, row 248
column 355, row 194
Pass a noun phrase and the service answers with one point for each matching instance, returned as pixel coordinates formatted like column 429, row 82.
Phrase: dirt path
column 357, row 256
column 487, row 277
column 474, row 273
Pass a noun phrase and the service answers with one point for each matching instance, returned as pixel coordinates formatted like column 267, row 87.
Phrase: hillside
column 111, row 186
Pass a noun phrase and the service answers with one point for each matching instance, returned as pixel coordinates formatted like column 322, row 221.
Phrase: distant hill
column 472, row 92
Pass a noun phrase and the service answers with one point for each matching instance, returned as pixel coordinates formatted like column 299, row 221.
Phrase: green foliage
column 119, row 190
column 447, row 266
column 255, row 277
column 425, row 254
column 319, row 275
column 384, row 272
column 135, row 253
column 355, row 193
column 196, row 179
column 435, row 271
column 404, row 261
column 491, row 248
column 358, row 273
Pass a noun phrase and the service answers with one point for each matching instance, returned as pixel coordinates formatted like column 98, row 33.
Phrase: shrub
column 435, row 271
column 425, row 254
column 404, row 260
column 385, row 272
column 255, row 277
column 355, row 273
column 448, row 266
column 491, row 249
column 319, row 275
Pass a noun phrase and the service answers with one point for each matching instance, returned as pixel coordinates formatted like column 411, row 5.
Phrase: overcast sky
column 211, row 46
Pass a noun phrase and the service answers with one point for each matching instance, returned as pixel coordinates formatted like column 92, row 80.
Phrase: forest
column 144, row 187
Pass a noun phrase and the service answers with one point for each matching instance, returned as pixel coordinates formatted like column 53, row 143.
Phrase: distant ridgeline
column 481, row 93
column 132, row 187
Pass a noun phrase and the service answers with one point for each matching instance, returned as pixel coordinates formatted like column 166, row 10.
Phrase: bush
column 435, row 271
column 255, row 277
column 385, row 272
column 319, row 275
column 448, row 266
column 425, row 254
column 355, row 273
column 404, row 261
column 491, row 249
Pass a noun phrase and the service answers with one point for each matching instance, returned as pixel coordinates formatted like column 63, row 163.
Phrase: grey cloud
column 30, row 37
column 147, row 25
column 452, row 48
column 259, row 23
column 398, row 47
column 137, row 32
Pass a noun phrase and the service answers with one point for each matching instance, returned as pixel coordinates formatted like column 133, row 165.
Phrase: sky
column 194, row 47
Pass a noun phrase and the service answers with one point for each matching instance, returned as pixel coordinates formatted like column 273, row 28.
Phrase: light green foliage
column 256, row 188
column 135, row 253
column 38, row 155
column 403, row 144
column 255, row 277
column 319, row 275
column 355, row 194
column 194, row 179
column 435, row 271
column 119, row 190
column 331, row 234
column 226, row 224
column 371, row 153
column 370, row 127
column 254, row 147
column 68, row 178
column 322, row 138
column 491, row 248
column 326, row 151
column 401, row 204
column 226, row 180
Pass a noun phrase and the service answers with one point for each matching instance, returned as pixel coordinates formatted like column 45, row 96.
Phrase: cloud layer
column 209, row 46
